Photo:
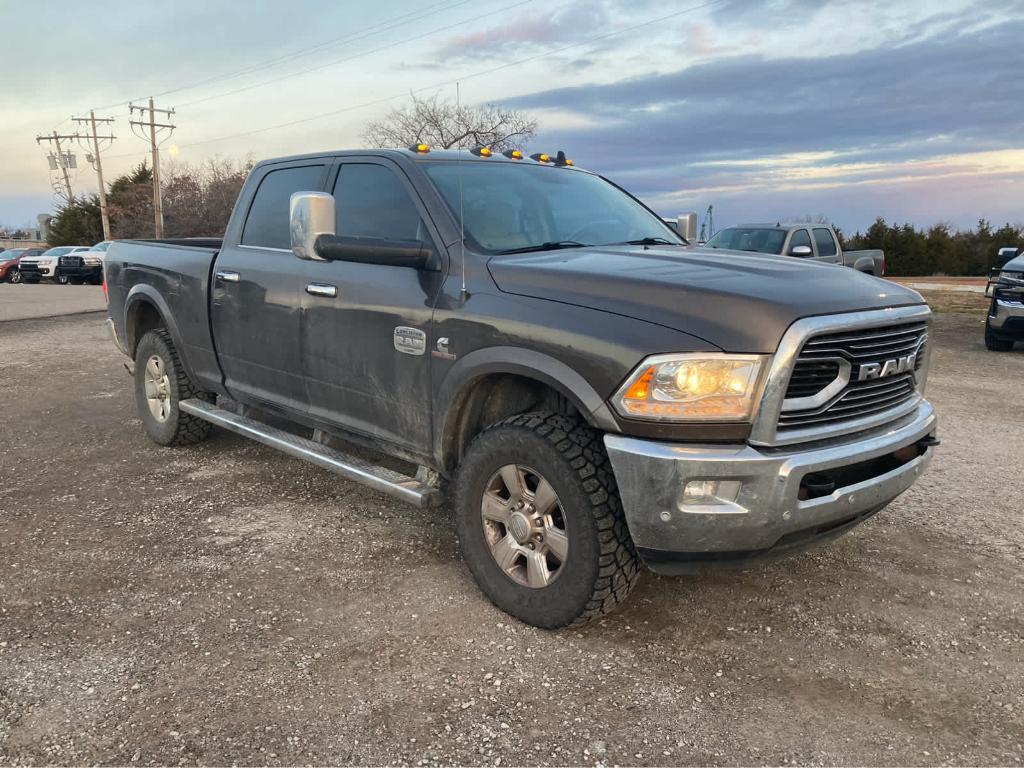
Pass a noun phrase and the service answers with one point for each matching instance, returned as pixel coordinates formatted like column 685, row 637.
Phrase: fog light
column 711, row 497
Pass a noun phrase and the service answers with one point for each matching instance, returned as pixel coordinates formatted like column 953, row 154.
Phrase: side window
column 826, row 243
column 800, row 237
column 267, row 223
column 371, row 201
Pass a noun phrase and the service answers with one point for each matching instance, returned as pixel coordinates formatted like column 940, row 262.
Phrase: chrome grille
column 71, row 261
column 857, row 399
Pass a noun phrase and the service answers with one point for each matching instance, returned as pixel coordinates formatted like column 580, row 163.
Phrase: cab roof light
column 482, row 151
column 420, row 149
column 541, row 157
column 561, row 159
column 513, row 154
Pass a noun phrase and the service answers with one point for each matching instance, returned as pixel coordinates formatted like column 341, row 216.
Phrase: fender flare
column 146, row 292
column 521, row 362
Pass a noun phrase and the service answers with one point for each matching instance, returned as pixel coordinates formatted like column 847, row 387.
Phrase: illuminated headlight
column 692, row 387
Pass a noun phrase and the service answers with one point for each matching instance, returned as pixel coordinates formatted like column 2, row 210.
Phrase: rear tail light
column 106, row 294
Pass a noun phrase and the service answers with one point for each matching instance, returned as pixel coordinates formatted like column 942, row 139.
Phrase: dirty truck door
column 255, row 298
column 366, row 327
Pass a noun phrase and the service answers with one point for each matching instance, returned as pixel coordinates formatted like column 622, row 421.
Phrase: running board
column 350, row 467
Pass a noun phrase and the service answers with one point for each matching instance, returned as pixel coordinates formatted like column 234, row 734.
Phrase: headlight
column 92, row 261
column 692, row 387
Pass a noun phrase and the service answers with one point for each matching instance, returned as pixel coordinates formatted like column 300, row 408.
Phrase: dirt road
column 225, row 603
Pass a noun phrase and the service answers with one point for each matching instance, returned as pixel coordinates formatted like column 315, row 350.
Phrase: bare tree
column 445, row 125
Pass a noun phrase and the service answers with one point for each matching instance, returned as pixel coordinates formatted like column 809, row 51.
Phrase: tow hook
column 929, row 441
column 130, row 367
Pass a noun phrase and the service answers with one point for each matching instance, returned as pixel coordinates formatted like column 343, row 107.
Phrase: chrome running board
column 350, row 467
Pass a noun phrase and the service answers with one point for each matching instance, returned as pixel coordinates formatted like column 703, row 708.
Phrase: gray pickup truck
column 814, row 242
column 588, row 391
column 1004, row 325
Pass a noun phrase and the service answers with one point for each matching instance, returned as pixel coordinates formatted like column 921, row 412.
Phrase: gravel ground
column 227, row 604
column 24, row 301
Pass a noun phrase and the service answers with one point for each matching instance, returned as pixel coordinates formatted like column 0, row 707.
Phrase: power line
column 349, row 37
column 442, row 84
column 335, row 62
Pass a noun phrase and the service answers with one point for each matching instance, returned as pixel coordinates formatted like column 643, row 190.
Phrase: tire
column 994, row 343
column 600, row 564
column 13, row 275
column 61, row 279
column 168, row 426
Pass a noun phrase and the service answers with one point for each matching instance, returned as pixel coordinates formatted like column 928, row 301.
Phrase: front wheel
column 160, row 385
column 61, row 279
column 540, row 522
column 14, row 275
column 994, row 343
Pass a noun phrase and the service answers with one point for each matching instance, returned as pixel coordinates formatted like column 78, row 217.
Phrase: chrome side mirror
column 800, row 250
column 310, row 214
column 686, row 225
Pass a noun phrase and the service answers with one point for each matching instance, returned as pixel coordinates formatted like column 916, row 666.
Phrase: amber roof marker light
column 513, row 154
column 541, row 157
column 420, row 149
column 482, row 151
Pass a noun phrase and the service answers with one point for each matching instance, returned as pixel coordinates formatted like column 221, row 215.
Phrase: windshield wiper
column 648, row 241
column 552, row 246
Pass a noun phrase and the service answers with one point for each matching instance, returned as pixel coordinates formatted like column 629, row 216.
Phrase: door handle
column 321, row 289
column 228, row 277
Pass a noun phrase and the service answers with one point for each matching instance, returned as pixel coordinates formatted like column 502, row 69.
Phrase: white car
column 35, row 268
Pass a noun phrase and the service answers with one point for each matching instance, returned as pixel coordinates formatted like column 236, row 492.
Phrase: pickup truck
column 1004, row 325
column 47, row 264
column 814, row 242
column 538, row 349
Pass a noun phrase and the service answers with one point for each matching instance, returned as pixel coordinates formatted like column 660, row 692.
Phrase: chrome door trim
column 228, row 276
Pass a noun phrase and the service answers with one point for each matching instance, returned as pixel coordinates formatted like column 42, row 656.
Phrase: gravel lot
column 24, row 301
column 226, row 604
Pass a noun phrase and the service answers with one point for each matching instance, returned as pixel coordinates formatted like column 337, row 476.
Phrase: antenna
column 462, row 213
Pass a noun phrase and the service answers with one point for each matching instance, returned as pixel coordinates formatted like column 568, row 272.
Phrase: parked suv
column 1005, row 322
column 589, row 391
column 84, row 266
column 9, row 261
column 46, row 265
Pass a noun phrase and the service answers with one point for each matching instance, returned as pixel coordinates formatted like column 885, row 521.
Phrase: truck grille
column 76, row 262
column 28, row 269
column 821, row 361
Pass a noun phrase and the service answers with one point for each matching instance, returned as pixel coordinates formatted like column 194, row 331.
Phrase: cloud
column 848, row 118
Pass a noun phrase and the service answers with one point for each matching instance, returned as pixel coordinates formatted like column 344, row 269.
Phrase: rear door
column 366, row 327
column 256, row 295
column 826, row 248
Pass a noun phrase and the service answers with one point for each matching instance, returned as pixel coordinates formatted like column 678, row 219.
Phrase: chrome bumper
column 1003, row 310
column 768, row 514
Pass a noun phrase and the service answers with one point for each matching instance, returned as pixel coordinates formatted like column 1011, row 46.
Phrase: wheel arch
column 144, row 310
column 491, row 384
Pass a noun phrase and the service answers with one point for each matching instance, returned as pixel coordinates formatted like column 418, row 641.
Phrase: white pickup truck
column 817, row 242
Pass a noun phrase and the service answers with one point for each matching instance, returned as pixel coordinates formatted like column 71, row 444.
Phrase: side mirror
column 800, row 250
column 310, row 215
column 686, row 226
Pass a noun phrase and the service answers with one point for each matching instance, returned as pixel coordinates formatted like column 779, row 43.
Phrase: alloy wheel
column 158, row 389
column 524, row 526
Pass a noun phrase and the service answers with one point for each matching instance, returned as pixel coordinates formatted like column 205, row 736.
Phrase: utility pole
column 91, row 121
column 62, row 160
column 151, row 123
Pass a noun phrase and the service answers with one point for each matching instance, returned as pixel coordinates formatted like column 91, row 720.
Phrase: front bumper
column 1006, row 317
column 778, row 508
column 32, row 270
column 85, row 272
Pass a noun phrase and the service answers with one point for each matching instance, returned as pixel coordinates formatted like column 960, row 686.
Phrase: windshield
column 759, row 239
column 101, row 246
column 12, row 253
column 511, row 207
column 60, row 250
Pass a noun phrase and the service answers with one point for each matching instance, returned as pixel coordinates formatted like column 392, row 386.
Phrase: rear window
column 266, row 226
column 826, row 243
column 758, row 239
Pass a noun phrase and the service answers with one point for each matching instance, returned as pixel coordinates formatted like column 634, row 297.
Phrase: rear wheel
column 160, row 385
column 540, row 522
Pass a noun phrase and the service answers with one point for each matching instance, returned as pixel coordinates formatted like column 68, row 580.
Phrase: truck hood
column 736, row 300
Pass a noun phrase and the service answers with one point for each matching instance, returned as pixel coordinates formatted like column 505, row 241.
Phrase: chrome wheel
column 524, row 526
column 15, row 275
column 158, row 389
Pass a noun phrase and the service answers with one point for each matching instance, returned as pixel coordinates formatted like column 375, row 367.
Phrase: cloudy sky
column 765, row 109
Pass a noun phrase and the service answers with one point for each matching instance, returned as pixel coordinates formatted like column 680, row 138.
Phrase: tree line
column 939, row 250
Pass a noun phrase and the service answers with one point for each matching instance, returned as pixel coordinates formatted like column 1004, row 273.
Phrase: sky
column 766, row 109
